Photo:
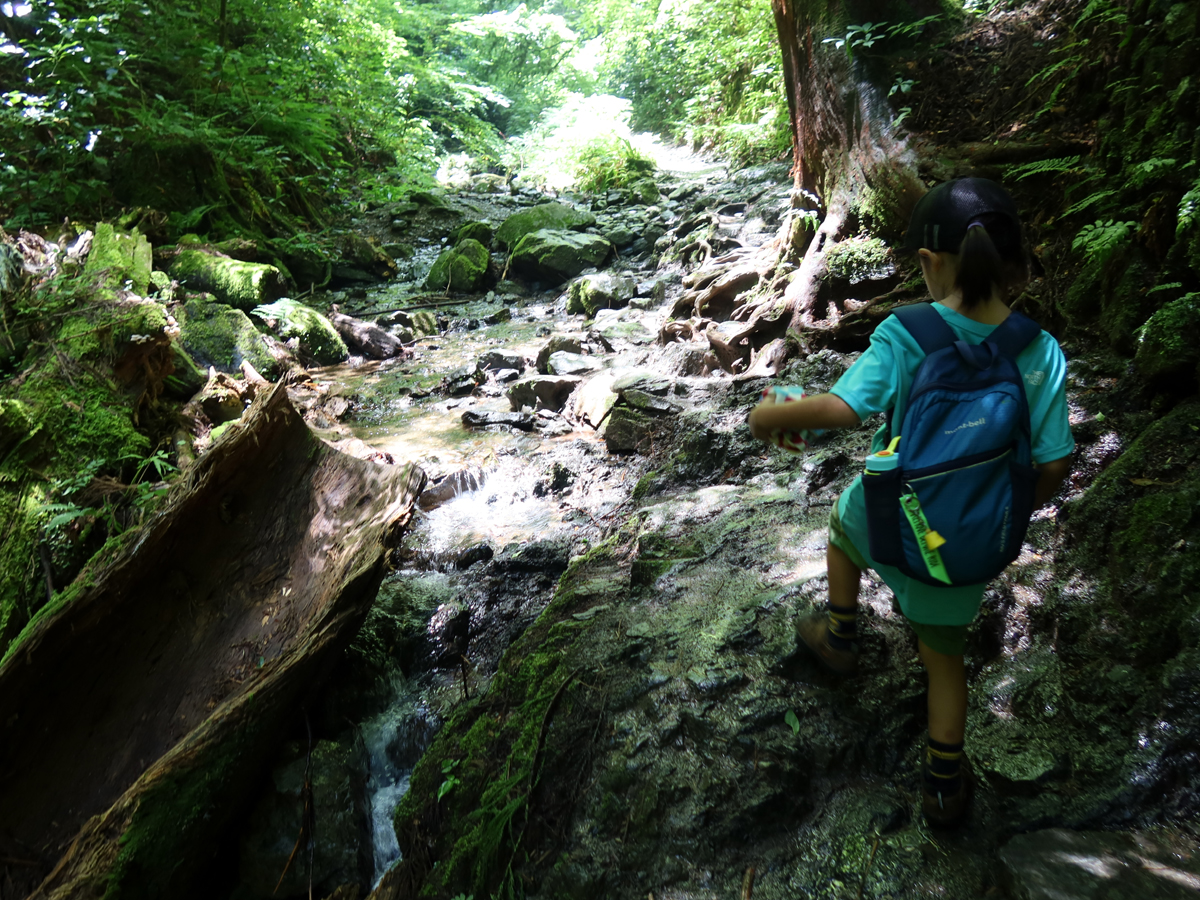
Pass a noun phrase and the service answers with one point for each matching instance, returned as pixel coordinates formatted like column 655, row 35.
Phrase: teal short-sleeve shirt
column 875, row 383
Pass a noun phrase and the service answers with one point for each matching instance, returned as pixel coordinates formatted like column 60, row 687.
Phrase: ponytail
column 980, row 266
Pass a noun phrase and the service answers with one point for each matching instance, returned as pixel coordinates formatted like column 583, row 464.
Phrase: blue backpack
column 955, row 507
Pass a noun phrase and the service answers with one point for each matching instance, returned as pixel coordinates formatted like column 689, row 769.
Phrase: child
column 968, row 238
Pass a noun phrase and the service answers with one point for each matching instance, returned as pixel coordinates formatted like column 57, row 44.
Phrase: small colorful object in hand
column 792, row 441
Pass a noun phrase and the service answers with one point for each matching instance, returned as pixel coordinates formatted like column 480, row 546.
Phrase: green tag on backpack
column 928, row 540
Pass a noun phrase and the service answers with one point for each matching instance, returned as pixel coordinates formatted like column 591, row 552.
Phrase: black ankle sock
column 843, row 630
column 943, row 766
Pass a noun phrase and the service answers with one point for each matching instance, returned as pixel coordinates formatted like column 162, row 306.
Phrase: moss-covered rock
column 642, row 192
column 217, row 335
column 557, row 216
column 314, row 335
column 859, row 259
column 1166, row 344
column 463, row 267
column 243, row 285
column 602, row 290
column 554, row 256
column 476, row 231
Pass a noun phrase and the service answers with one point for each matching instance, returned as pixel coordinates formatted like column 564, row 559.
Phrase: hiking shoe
column 813, row 631
column 948, row 810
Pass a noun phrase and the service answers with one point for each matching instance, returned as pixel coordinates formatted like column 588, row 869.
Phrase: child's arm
column 1050, row 478
column 820, row 411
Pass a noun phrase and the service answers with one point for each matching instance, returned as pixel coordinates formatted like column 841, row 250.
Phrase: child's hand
column 757, row 427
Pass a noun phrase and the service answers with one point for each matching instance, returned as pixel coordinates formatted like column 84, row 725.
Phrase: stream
column 723, row 749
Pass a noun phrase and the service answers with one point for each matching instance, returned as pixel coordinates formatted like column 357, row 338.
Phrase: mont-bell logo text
column 972, row 423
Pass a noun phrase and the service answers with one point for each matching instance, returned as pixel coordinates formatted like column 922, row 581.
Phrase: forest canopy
column 257, row 118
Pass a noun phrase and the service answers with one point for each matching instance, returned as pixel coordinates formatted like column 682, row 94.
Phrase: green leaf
column 790, row 718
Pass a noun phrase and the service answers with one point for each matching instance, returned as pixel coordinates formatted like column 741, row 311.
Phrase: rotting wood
column 132, row 724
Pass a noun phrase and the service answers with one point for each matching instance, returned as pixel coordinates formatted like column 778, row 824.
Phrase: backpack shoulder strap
column 1014, row 334
column 927, row 327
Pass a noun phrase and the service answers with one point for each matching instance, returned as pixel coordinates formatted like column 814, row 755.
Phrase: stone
column 1057, row 864
column 648, row 403
column 553, row 256
column 423, row 322
column 399, row 250
column 632, row 332
column 688, row 359
column 462, row 268
column 642, row 193
column 602, row 290
column 647, row 382
column 1166, row 344
column 557, row 343
column 220, row 336
column 564, row 363
column 521, row 420
column 626, row 430
column 542, row 391
column 554, row 216
column 461, row 381
column 595, row 399
column 366, row 338
column 318, row 341
column 619, row 236
column 497, row 360
column 476, row 231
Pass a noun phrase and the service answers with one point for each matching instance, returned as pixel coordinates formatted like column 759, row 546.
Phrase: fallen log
column 139, row 708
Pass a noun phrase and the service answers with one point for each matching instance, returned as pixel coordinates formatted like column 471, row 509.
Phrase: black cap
column 942, row 216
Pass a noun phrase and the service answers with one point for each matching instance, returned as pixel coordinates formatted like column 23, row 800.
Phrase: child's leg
column 844, row 580
column 947, row 694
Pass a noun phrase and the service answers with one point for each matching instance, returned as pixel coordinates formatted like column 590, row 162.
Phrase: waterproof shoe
column 813, row 631
column 948, row 810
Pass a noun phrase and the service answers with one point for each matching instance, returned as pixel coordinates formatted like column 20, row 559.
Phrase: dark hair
column 990, row 256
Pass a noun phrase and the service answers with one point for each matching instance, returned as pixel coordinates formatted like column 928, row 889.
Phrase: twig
column 748, row 883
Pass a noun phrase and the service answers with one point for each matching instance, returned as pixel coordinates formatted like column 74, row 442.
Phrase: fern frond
column 1042, row 166
column 1086, row 202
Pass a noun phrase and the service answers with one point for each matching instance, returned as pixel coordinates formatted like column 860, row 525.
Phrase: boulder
column 614, row 331
column 602, row 290
column 619, row 236
column 317, row 341
column 642, row 193
column 240, row 284
column 554, row 256
column 1056, row 864
column 564, row 363
column 366, row 338
column 220, row 336
column 644, row 381
column 1164, row 348
column 476, row 231
column 555, row 216
column 461, row 381
column 521, row 420
column 542, row 391
column 626, row 429
column 557, row 343
column 462, row 268
column 498, row 360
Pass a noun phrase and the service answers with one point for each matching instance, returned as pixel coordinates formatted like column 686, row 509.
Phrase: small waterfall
column 395, row 740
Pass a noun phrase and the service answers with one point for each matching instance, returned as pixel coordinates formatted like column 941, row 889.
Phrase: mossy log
column 240, row 284
column 138, row 708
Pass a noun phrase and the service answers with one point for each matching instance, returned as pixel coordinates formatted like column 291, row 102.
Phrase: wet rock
column 461, row 381
column 627, row 429
column 553, row 256
column 521, row 420
column 316, row 340
column 1057, row 864
column 600, row 291
column 649, row 403
column 551, row 423
column 450, row 486
column 559, row 480
column 366, row 338
column 554, row 216
column 342, row 851
column 495, row 360
column 564, row 363
column 542, row 391
column 557, row 343
column 507, row 376
column 619, row 236
column 644, row 381
column 476, row 231
column 616, row 331
column 462, row 268
column 481, row 552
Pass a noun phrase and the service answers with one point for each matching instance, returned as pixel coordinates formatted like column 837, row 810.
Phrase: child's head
column 974, row 220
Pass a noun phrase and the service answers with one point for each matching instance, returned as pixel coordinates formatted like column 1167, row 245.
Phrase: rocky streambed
column 582, row 677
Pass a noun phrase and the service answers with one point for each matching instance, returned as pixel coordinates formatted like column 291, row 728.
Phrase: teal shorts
column 950, row 640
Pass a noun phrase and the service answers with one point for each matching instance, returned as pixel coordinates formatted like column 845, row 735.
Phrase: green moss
column 109, row 331
column 244, row 285
column 1166, row 344
column 859, row 259
column 546, row 215
column 217, row 335
column 117, row 258
column 475, row 231
column 461, row 268
column 318, row 339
